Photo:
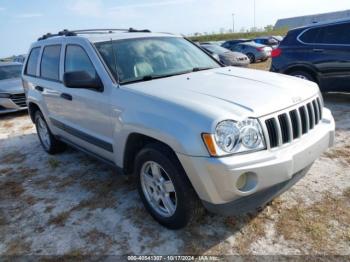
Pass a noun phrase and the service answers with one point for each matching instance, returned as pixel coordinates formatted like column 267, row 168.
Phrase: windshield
column 141, row 59
column 216, row 49
column 10, row 71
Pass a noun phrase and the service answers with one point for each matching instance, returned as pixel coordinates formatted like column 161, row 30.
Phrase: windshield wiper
column 196, row 69
column 152, row 77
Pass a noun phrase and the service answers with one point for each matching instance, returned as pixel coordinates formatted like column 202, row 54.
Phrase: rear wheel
column 165, row 189
column 303, row 75
column 48, row 141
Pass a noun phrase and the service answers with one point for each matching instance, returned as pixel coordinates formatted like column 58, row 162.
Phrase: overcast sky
column 21, row 22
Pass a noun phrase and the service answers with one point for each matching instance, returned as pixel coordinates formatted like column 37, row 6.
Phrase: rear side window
column 78, row 60
column 32, row 61
column 334, row 34
column 50, row 62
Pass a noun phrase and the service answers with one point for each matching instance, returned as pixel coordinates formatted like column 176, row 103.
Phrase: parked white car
column 159, row 108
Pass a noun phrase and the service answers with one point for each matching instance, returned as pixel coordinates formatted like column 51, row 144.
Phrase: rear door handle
column 318, row 50
column 66, row 96
column 39, row 88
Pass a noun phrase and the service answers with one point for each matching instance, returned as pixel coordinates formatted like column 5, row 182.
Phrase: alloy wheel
column 43, row 132
column 158, row 189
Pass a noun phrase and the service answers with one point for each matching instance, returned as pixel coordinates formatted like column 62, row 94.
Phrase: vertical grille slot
column 272, row 130
column 295, row 126
column 311, row 115
column 317, row 112
column 303, row 120
column 290, row 125
column 284, row 128
column 319, row 107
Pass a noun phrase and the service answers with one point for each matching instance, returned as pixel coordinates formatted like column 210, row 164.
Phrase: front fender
column 34, row 97
column 180, row 135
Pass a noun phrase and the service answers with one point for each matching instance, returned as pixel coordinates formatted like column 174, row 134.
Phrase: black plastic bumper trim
column 86, row 137
column 258, row 200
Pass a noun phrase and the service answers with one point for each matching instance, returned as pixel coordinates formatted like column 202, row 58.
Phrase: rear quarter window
column 32, row 62
column 50, row 62
column 309, row 36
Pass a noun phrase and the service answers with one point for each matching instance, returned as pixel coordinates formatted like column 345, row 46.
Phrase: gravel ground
column 70, row 204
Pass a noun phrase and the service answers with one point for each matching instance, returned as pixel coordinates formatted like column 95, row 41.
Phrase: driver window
column 78, row 60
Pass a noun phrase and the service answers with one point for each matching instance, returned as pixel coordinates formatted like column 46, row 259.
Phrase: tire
column 303, row 75
column 251, row 57
column 156, row 161
column 47, row 140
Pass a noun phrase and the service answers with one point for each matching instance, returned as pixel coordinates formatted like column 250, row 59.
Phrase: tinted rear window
column 33, row 61
column 332, row 34
column 10, row 71
column 50, row 62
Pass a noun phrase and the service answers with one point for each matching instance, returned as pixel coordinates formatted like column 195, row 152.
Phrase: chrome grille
column 19, row 99
column 284, row 127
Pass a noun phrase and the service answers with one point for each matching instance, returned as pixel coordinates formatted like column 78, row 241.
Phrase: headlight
column 235, row 137
column 227, row 135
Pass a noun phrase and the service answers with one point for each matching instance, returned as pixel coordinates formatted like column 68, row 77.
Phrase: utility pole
column 233, row 23
column 254, row 15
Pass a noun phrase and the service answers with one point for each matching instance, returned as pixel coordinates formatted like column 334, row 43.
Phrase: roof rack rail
column 66, row 32
column 110, row 30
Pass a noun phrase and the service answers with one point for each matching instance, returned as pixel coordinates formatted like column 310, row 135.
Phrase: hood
column 12, row 86
column 242, row 91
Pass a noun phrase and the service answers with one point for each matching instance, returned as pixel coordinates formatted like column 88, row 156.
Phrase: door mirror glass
column 82, row 79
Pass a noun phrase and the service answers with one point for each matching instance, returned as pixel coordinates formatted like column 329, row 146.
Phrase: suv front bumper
column 275, row 170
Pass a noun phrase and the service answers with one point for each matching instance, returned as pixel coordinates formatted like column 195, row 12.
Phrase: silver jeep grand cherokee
column 193, row 133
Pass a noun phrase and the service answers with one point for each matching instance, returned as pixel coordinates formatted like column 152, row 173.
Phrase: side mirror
column 82, row 79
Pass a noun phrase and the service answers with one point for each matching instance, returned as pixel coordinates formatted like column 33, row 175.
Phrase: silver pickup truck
column 192, row 132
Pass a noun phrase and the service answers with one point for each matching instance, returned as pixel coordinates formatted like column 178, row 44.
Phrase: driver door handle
column 67, row 96
column 317, row 50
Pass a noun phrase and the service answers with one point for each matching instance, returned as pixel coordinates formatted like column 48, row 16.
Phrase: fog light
column 247, row 182
column 241, row 181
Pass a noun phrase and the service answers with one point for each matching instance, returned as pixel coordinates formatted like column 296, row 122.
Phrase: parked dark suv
column 319, row 52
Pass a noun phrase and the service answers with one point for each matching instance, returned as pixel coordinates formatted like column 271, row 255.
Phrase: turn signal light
column 209, row 142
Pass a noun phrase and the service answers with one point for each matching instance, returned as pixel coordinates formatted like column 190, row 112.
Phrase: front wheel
column 48, row 141
column 303, row 75
column 251, row 57
column 165, row 189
